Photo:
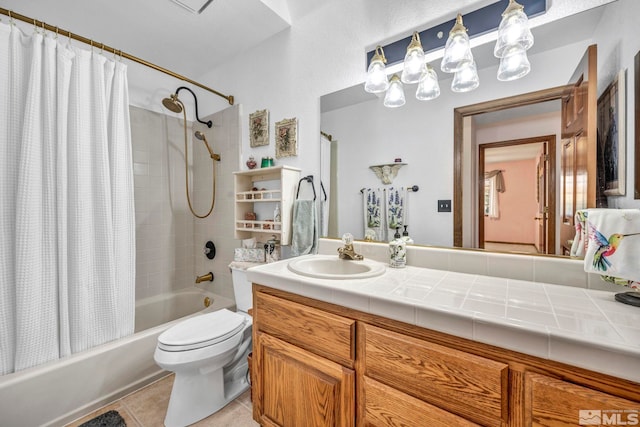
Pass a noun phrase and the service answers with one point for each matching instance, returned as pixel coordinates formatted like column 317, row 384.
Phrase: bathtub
column 58, row 392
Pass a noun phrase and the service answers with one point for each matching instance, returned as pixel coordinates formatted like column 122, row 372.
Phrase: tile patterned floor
column 148, row 406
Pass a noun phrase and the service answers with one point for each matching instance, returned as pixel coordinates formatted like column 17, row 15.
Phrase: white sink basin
column 332, row 267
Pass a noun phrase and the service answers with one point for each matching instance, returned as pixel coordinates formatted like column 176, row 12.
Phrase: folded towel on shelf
column 613, row 247
column 374, row 220
column 304, row 238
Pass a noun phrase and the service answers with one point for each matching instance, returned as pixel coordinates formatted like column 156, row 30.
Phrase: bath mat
column 108, row 419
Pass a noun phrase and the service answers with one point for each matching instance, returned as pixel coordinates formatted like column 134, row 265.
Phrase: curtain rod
column 102, row 46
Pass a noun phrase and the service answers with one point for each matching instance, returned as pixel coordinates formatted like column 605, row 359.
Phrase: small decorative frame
column 287, row 138
column 611, row 136
column 259, row 128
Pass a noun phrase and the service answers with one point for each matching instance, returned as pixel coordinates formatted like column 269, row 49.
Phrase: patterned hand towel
column 374, row 228
column 395, row 207
column 304, row 238
column 614, row 243
column 581, row 239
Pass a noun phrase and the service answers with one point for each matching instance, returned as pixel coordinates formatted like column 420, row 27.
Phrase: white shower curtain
column 67, row 227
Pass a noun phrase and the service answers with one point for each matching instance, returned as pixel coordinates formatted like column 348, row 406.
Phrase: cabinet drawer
column 386, row 406
column 553, row 402
column 464, row 384
column 325, row 334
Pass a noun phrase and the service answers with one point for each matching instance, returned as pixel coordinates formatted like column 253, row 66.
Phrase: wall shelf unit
column 259, row 191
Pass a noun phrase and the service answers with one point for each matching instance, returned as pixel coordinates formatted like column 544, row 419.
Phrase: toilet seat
column 202, row 331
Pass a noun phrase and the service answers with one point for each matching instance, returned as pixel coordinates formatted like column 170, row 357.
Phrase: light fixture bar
column 478, row 22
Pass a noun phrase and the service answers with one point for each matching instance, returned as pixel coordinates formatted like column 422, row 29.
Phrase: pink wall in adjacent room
column 518, row 204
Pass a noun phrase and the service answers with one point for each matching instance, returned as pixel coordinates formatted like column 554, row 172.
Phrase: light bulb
column 395, row 94
column 457, row 51
column 514, row 64
column 377, row 80
column 466, row 79
column 513, row 30
column 414, row 64
column 428, row 87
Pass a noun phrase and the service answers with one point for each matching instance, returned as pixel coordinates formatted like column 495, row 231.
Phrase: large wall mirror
column 508, row 127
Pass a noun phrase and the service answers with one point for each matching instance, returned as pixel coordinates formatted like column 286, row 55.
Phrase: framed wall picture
column 259, row 128
column 611, row 136
column 287, row 138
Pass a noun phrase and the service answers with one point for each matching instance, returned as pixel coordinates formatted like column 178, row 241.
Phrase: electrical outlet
column 444, row 205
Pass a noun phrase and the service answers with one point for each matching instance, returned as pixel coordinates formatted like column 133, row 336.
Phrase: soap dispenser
column 405, row 236
column 397, row 251
column 277, row 217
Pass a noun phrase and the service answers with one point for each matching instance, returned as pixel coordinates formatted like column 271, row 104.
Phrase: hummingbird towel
column 613, row 247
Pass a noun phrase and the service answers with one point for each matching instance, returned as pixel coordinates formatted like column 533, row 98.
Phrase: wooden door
column 541, row 196
column 296, row 388
column 579, row 136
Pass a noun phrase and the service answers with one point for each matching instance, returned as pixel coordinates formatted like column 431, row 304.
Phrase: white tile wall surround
column 169, row 239
column 541, row 319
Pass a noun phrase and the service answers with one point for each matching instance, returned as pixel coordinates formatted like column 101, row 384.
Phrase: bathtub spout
column 205, row 278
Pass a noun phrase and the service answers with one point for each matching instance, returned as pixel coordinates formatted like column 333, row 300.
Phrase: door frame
column 459, row 113
column 550, row 184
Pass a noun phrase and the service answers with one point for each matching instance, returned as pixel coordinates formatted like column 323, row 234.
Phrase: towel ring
column 309, row 179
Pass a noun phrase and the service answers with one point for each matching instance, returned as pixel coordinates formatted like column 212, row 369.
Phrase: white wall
column 618, row 43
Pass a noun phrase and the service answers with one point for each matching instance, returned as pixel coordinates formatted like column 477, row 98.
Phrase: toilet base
column 195, row 397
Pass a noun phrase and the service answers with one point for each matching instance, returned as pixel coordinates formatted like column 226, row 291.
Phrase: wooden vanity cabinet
column 303, row 365
column 319, row 364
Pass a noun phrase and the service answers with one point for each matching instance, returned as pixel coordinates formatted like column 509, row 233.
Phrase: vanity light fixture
column 395, row 94
column 457, row 51
column 414, row 65
column 377, row 80
column 514, row 38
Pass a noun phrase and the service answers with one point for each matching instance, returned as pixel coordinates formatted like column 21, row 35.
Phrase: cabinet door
column 296, row 388
column 555, row 403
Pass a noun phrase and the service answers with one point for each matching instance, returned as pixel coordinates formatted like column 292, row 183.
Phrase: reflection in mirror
column 421, row 133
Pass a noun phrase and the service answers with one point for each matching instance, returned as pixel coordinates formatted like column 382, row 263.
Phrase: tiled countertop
column 581, row 327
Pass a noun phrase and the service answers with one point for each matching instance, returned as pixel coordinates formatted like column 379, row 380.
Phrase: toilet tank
column 241, row 290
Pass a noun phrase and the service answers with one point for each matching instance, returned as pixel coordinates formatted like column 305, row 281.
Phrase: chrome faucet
column 347, row 251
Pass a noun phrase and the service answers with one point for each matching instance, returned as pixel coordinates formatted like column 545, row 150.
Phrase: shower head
column 203, row 138
column 172, row 103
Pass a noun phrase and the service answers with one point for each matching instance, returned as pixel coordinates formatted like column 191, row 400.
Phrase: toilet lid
column 201, row 331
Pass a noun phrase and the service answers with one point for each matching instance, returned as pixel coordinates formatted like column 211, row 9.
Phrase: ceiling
column 167, row 34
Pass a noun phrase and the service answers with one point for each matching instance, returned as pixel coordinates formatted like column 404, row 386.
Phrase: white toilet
column 208, row 354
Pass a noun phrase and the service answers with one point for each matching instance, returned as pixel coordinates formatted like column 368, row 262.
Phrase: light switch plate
column 444, row 205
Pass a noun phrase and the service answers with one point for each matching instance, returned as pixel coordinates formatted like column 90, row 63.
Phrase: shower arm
column 209, row 123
